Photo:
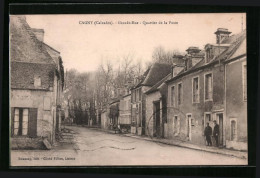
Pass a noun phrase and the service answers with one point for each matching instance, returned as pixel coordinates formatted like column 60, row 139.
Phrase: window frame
column 193, row 90
column 211, row 117
column 211, row 99
column 181, row 96
column 21, row 125
column 173, row 99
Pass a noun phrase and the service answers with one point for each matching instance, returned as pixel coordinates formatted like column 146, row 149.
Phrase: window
column 37, row 81
column 21, row 121
column 244, row 70
column 208, row 117
column 172, row 96
column 179, row 93
column 195, row 90
column 24, row 122
column 209, row 54
column 233, row 125
column 208, row 87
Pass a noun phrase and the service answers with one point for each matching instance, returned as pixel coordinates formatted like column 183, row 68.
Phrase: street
column 98, row 148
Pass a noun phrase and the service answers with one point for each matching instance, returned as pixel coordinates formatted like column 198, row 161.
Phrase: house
column 197, row 94
column 236, row 95
column 125, row 112
column 36, row 86
column 151, row 76
column 156, row 109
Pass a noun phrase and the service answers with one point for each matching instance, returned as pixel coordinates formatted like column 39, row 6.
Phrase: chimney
column 221, row 34
column 193, row 57
column 193, row 50
column 39, row 33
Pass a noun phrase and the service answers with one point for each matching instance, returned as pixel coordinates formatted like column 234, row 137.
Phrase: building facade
column 198, row 94
column 35, row 88
column 138, row 98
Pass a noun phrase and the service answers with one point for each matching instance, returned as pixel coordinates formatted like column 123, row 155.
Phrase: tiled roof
column 22, row 75
column 158, row 84
column 24, row 46
column 234, row 41
column 155, row 74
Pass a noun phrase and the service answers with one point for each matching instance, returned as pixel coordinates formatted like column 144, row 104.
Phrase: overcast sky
column 84, row 46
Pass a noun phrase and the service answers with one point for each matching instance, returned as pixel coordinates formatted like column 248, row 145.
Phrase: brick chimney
column 193, row 50
column 194, row 55
column 39, row 33
column 221, row 34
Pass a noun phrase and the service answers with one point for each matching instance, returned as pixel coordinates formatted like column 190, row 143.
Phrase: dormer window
column 37, row 81
column 209, row 53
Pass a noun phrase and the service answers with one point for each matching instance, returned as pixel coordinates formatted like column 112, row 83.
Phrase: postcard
column 128, row 89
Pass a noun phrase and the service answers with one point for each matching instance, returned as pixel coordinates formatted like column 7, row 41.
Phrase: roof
column 24, row 45
column 158, row 84
column 154, row 74
column 22, row 75
column 234, row 41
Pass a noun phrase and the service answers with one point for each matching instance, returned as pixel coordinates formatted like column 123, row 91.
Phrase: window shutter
column 32, row 125
column 12, row 121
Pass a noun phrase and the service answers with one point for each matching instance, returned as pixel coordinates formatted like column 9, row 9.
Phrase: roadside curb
column 179, row 145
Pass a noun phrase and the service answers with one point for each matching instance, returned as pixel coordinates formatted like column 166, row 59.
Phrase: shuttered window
column 24, row 122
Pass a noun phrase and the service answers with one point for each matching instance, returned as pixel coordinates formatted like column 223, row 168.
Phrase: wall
column 104, row 120
column 236, row 106
column 125, row 111
column 197, row 110
column 34, row 99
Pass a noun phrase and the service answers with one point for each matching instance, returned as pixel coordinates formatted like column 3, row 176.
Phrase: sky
column 85, row 46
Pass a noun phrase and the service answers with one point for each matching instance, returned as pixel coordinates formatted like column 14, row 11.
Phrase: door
column 188, row 118
column 157, row 119
column 220, row 121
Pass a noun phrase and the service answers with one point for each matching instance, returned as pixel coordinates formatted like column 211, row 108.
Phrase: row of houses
column 177, row 101
column 36, row 87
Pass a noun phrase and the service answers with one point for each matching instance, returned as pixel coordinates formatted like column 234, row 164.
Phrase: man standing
column 216, row 132
column 208, row 133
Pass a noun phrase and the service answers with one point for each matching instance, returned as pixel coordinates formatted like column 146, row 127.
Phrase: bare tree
column 162, row 56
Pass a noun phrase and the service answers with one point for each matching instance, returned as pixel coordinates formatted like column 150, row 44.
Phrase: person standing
column 208, row 133
column 216, row 132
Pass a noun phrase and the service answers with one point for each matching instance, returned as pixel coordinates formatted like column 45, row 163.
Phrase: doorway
column 188, row 121
column 219, row 117
column 157, row 123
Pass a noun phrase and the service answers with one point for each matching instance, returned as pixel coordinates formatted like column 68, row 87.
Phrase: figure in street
column 216, row 132
column 207, row 134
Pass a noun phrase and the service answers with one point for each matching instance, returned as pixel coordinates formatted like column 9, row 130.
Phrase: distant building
column 138, row 101
column 125, row 112
column 36, row 86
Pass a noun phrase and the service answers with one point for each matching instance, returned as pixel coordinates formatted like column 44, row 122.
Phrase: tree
column 162, row 56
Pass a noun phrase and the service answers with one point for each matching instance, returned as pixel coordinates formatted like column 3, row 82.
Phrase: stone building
column 125, row 112
column 138, row 101
column 236, row 96
column 197, row 94
column 156, row 109
column 36, row 85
